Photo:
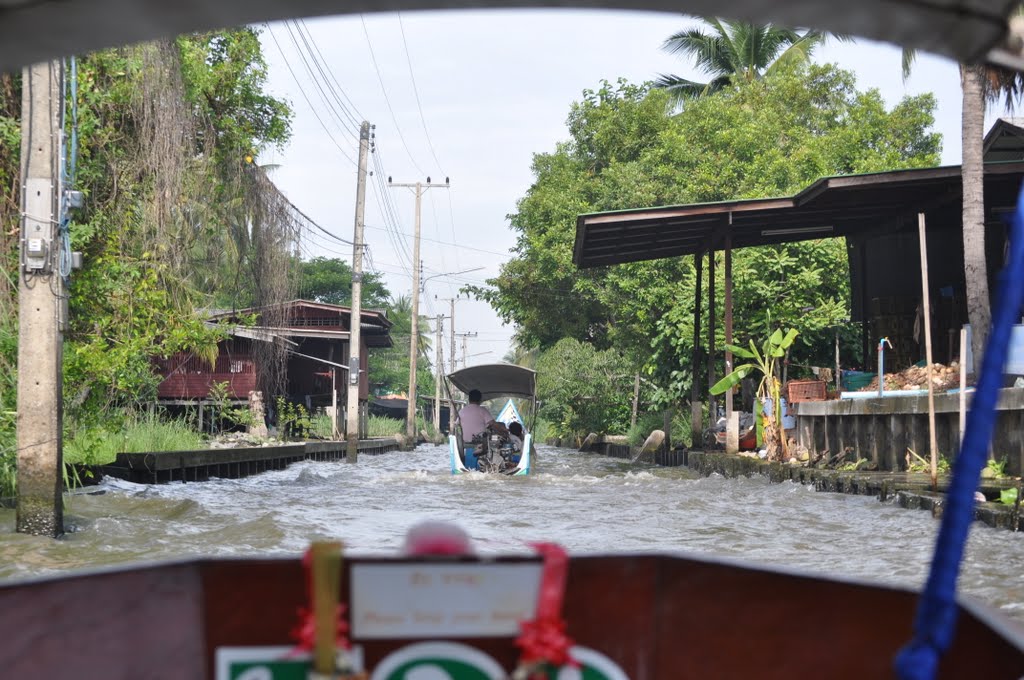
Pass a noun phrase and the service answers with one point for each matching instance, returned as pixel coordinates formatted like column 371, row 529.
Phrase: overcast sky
column 472, row 95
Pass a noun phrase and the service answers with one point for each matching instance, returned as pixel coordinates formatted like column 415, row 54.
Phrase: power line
column 358, row 116
column 416, row 91
column 390, row 214
column 306, row 97
column 384, row 90
column 508, row 256
column 317, row 83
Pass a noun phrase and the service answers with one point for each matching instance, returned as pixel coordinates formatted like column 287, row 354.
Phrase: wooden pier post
column 926, row 305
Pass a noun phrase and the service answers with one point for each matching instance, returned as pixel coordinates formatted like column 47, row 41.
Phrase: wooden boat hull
column 654, row 616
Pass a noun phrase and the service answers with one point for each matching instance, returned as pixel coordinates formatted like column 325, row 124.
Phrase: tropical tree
column 769, row 137
column 982, row 86
column 582, row 389
column 329, row 280
column 734, row 50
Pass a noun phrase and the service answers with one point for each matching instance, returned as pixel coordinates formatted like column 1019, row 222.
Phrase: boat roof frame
column 496, row 380
column 969, row 31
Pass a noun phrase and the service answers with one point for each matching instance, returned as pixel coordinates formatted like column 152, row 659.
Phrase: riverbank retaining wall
column 881, row 429
column 906, row 489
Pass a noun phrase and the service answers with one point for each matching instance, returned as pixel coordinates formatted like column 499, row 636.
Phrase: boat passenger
column 515, row 434
column 475, row 419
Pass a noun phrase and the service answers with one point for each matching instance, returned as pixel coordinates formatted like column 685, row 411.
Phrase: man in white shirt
column 474, row 418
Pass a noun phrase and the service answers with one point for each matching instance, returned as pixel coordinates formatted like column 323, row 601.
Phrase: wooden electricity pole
column 355, row 336
column 410, row 413
column 438, row 377
column 40, row 292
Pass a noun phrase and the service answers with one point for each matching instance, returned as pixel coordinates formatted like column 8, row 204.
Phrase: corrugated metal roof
column 832, row 206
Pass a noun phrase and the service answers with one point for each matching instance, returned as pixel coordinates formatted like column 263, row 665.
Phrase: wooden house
column 315, row 337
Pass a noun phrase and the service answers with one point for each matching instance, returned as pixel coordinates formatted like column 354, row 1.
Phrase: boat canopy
column 496, row 380
column 966, row 30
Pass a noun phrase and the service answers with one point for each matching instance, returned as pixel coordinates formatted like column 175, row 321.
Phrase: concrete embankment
column 907, row 489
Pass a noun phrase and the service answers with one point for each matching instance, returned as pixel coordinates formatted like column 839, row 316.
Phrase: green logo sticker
column 593, row 666
column 269, row 670
column 438, row 661
column 269, row 663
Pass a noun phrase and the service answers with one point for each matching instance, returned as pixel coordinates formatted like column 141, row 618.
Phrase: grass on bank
column 140, row 434
column 383, row 426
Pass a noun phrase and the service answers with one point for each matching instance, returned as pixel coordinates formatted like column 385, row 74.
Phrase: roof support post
column 712, row 401
column 865, row 329
column 728, row 319
column 696, row 427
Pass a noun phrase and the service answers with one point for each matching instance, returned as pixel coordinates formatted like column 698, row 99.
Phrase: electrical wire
column 384, row 90
column 309, row 103
column 419, row 107
column 349, row 129
column 507, row 256
column 358, row 116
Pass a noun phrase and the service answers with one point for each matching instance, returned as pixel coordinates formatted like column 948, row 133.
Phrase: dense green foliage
column 179, row 218
column 167, row 133
column 329, row 280
column 767, row 137
column 581, row 387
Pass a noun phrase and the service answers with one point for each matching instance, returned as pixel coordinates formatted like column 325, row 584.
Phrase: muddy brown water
column 585, row 502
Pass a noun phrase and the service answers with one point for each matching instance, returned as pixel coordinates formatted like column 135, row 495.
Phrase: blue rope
column 935, row 623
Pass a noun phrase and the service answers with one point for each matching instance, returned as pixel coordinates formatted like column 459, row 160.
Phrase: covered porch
column 876, row 213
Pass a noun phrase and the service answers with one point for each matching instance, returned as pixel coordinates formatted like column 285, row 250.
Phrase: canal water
column 588, row 503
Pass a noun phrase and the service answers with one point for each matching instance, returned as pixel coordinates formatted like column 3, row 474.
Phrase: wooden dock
column 232, row 463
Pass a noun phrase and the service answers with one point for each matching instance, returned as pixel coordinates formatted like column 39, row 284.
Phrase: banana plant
column 766, row 363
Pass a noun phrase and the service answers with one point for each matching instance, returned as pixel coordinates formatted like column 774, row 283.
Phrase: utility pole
column 410, row 413
column 438, row 377
column 451, row 397
column 40, row 301
column 465, row 351
column 355, row 341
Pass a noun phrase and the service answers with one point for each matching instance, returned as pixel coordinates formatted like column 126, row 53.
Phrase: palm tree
column 981, row 86
column 734, row 50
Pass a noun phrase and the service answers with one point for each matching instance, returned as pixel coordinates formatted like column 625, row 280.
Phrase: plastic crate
column 805, row 390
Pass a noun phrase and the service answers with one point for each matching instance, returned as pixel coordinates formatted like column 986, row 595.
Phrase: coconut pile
column 916, row 378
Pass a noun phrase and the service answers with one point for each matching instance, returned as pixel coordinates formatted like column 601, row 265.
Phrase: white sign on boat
column 392, row 601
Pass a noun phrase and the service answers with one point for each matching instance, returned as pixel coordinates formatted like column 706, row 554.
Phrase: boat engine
column 496, row 454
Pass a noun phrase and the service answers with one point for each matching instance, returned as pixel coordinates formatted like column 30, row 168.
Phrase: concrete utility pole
column 438, row 377
column 355, row 336
column 40, row 301
column 465, row 350
column 410, row 413
column 452, row 412
column 451, row 397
